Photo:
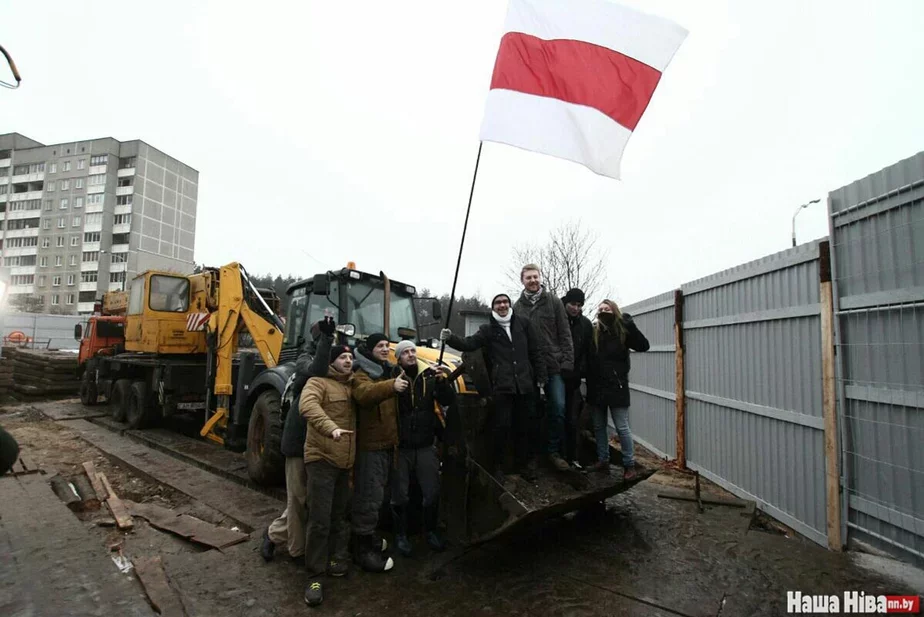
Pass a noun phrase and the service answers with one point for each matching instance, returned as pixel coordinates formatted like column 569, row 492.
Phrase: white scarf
column 504, row 321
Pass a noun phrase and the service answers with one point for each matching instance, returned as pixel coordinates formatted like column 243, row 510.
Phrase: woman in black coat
column 514, row 353
column 615, row 333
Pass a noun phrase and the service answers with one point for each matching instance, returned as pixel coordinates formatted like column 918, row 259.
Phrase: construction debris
column 116, row 507
column 65, row 491
column 185, row 526
column 150, row 572
column 38, row 373
column 24, row 465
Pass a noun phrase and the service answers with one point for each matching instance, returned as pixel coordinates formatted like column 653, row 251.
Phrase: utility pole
column 798, row 210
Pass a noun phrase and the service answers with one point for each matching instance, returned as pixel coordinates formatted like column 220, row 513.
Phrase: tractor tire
column 140, row 411
column 89, row 395
column 118, row 399
column 265, row 463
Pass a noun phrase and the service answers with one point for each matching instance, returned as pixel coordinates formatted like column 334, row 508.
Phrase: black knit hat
column 574, row 295
column 374, row 339
column 494, row 299
column 336, row 351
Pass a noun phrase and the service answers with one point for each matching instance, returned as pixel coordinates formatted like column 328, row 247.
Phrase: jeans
column 328, row 530
column 573, row 405
column 425, row 465
column 370, row 479
column 620, row 417
column 555, row 395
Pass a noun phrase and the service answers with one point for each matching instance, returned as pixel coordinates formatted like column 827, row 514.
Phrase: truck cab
column 102, row 335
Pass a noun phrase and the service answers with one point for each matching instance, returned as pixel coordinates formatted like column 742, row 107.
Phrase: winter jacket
column 516, row 365
column 377, row 407
column 326, row 403
column 608, row 375
column 582, row 338
column 551, row 320
column 9, row 451
column 418, row 419
column 307, row 365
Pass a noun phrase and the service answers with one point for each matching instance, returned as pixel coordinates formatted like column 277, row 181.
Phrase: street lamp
column 798, row 210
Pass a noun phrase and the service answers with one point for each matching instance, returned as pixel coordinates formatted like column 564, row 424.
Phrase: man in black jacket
column 514, row 351
column 582, row 333
column 289, row 528
column 419, row 423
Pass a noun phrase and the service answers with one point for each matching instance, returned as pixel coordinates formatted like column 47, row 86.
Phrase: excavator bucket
column 476, row 508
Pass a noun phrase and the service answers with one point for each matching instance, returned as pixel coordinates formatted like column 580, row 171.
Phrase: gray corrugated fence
column 46, row 331
column 877, row 226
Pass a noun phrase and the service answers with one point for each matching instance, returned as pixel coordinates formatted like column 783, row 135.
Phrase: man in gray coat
column 547, row 314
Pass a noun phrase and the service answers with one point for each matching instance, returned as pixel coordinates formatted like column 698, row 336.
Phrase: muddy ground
column 641, row 555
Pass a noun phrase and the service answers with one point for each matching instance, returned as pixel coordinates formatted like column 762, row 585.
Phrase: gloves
column 327, row 326
column 445, row 333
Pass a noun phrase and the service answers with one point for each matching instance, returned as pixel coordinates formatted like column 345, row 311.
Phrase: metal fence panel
column 652, row 378
column 46, row 331
column 753, row 385
column 877, row 229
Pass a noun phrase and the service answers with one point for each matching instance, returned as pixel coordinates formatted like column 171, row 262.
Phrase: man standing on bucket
column 547, row 314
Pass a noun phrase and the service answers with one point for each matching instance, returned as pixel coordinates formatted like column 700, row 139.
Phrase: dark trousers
column 372, row 470
column 514, row 421
column 573, row 405
column 424, row 464
column 328, row 530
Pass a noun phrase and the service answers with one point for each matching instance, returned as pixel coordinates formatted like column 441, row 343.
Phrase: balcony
column 119, row 248
column 90, row 247
column 89, row 266
column 22, row 289
column 27, row 195
column 122, row 228
column 93, row 226
column 22, row 233
column 97, row 169
column 85, row 307
column 4, row 163
column 94, row 208
column 90, row 286
column 115, row 286
column 119, row 267
column 96, row 188
column 123, row 173
column 125, row 190
column 22, row 270
column 36, row 177
column 123, row 209
column 4, row 179
column 20, row 251
column 23, row 214
column 3, row 198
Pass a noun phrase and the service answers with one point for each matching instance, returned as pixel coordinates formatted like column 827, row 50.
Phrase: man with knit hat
column 374, row 389
column 419, row 423
column 514, row 351
column 582, row 332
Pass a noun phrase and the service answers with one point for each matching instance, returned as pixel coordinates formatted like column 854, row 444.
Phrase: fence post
column 680, row 387
column 829, row 398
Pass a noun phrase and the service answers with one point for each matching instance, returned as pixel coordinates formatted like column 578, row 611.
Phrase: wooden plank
column 185, row 526
column 150, row 571
column 680, row 402
column 116, row 507
column 27, row 462
column 101, row 491
column 712, row 501
column 829, row 401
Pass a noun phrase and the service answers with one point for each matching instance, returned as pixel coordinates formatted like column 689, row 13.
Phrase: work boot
column 337, row 568
column 369, row 558
column 631, row 473
column 431, row 524
column 558, row 462
column 399, row 515
column 267, row 548
column 314, row 594
column 601, row 466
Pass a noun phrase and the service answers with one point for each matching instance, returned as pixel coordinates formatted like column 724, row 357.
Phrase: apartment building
column 82, row 218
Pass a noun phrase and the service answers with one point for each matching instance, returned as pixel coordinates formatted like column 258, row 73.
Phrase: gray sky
column 348, row 130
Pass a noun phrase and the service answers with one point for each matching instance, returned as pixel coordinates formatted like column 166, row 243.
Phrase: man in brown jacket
column 326, row 403
column 374, row 390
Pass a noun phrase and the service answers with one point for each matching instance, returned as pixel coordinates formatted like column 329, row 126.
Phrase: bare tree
column 570, row 257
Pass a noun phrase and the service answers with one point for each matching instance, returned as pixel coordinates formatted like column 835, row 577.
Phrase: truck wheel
column 139, row 412
column 265, row 463
column 88, row 390
column 118, row 400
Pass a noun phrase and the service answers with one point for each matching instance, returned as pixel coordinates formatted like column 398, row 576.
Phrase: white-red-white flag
column 573, row 78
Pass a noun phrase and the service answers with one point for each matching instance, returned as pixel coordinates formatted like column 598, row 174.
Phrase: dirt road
column 642, row 555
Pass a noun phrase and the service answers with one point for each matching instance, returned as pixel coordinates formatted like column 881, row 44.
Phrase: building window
column 22, row 279
column 73, row 260
column 62, row 222
column 94, row 199
column 89, row 277
column 119, row 239
column 78, row 183
column 78, row 202
column 96, row 179
column 81, row 163
column 53, row 168
column 95, row 218
column 123, row 182
column 59, row 241
column 122, row 219
column 55, row 300
column 41, row 281
column 90, row 256
column 56, row 281
column 70, row 298
column 99, row 159
column 70, row 280
column 65, row 185
column 127, row 163
column 64, row 204
column 67, row 166
column 119, row 258
column 116, row 277
column 123, row 200
column 49, row 204
column 75, row 221
column 43, row 262
column 75, row 240
column 50, row 187
column 59, row 260
column 46, row 224
column 92, row 236
column 46, row 242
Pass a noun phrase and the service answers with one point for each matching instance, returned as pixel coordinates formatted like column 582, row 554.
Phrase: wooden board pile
column 37, row 373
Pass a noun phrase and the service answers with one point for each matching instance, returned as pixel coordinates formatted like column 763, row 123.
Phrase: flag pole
column 455, row 278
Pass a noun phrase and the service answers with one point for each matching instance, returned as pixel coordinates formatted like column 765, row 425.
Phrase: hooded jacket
column 326, row 404
column 418, row 419
column 374, row 393
column 551, row 320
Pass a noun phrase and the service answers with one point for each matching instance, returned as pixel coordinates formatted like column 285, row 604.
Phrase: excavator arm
column 240, row 305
